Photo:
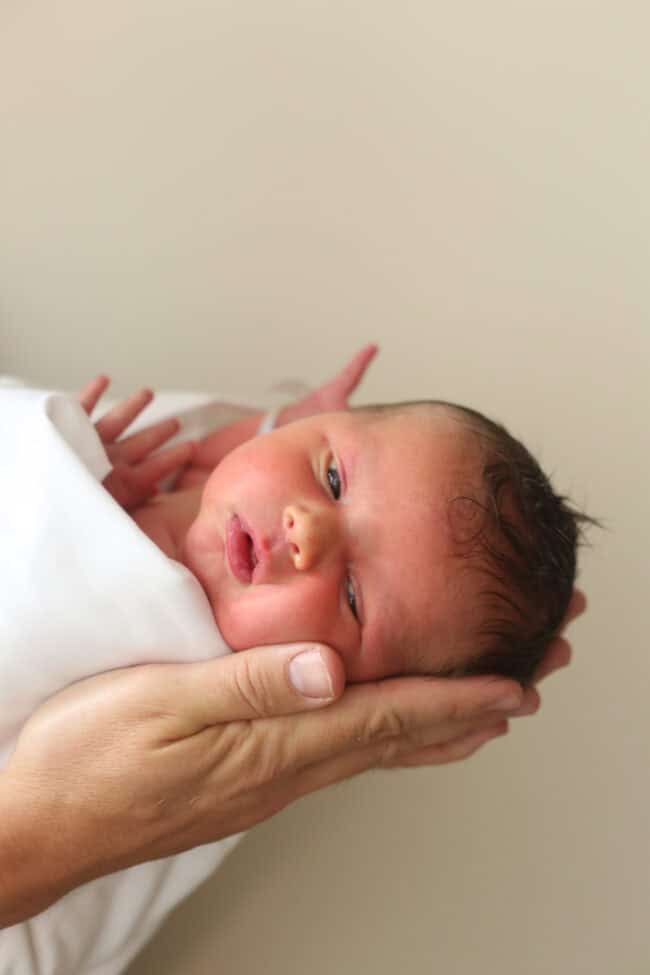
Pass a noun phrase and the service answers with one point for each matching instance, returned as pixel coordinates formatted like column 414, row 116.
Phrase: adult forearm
column 34, row 869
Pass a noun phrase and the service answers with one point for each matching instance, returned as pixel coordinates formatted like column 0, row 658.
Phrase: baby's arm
column 332, row 395
column 137, row 470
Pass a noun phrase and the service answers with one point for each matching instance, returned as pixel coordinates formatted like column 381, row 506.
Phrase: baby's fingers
column 139, row 445
column 91, row 393
column 132, row 486
column 350, row 377
column 153, row 469
column 121, row 416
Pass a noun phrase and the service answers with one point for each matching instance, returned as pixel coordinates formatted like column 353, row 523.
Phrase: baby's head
column 412, row 538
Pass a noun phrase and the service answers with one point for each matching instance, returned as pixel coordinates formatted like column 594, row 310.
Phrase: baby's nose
column 309, row 533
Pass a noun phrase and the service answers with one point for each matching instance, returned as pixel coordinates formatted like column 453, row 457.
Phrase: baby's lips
column 260, row 549
column 239, row 551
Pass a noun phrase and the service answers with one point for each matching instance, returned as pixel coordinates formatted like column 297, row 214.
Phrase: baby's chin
column 239, row 637
column 228, row 634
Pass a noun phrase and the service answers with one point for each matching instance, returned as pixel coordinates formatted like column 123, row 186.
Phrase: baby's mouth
column 240, row 551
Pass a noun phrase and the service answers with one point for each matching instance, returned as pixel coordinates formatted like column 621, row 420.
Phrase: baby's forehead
column 440, row 418
column 436, row 431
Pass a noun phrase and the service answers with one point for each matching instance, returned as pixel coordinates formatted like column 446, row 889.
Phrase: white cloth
column 83, row 590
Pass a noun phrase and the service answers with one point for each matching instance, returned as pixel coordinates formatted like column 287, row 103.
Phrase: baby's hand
column 136, row 472
column 332, row 395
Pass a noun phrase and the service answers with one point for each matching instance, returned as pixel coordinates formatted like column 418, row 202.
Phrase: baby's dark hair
column 521, row 539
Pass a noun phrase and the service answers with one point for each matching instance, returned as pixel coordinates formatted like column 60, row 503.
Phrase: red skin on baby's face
column 342, row 518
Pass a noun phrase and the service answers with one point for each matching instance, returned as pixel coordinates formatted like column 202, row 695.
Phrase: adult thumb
column 263, row 682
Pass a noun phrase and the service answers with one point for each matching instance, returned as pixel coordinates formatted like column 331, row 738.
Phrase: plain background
column 214, row 195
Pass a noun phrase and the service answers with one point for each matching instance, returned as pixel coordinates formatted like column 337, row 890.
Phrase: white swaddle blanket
column 83, row 590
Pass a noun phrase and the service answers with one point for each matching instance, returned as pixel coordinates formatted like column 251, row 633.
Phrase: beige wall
column 219, row 195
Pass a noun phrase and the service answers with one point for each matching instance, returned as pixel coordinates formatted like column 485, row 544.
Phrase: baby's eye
column 334, row 480
column 351, row 596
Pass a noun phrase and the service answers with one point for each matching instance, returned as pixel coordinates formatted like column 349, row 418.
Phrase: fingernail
column 509, row 702
column 310, row 676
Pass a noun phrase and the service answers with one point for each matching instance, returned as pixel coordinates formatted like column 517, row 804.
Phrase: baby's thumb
column 264, row 682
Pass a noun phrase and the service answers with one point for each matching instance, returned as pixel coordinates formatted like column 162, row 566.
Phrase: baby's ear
column 466, row 518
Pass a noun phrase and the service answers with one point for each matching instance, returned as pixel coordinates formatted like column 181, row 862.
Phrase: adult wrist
column 39, row 864
column 24, row 888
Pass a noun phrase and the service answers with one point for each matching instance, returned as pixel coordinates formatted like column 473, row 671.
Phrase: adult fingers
column 91, row 393
column 558, row 655
column 265, row 682
column 530, row 704
column 389, row 716
column 449, row 751
column 577, row 606
column 119, row 418
column 410, row 708
column 336, row 768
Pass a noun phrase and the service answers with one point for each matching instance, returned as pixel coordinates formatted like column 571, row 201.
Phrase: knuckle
column 270, row 762
column 255, row 758
column 384, row 724
column 454, row 711
column 448, row 707
column 253, row 689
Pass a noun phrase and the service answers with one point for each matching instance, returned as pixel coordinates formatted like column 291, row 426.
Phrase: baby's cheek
column 260, row 615
column 255, row 616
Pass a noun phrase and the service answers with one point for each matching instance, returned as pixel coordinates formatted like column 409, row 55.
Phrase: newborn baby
column 412, row 538
column 415, row 538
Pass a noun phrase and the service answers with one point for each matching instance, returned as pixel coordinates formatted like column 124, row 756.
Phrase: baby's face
column 334, row 529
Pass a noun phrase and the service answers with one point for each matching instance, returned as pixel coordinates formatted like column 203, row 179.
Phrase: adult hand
column 144, row 762
column 559, row 652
